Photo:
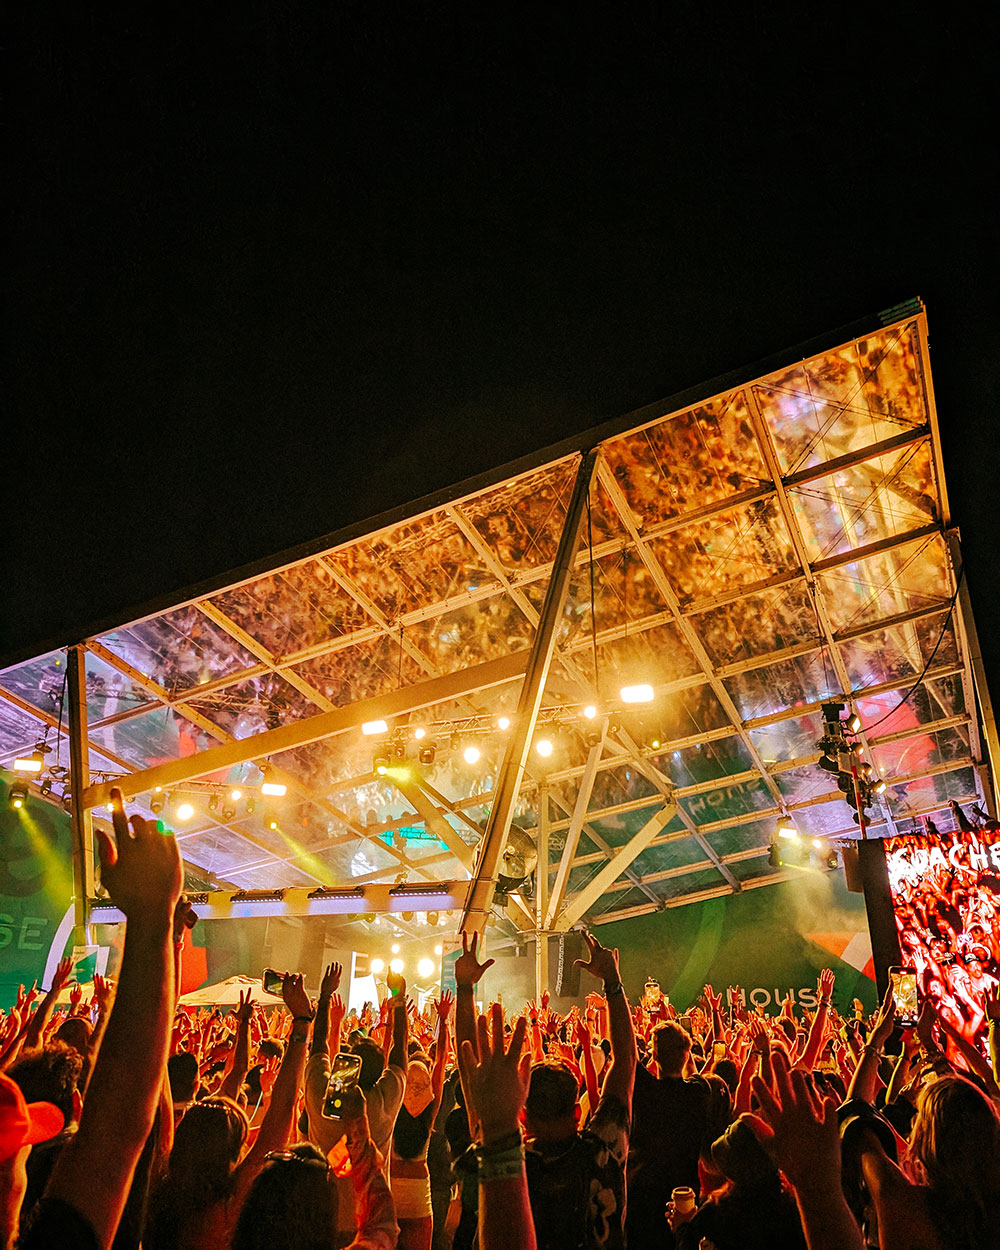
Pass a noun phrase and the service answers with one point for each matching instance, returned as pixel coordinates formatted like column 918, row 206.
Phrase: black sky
column 277, row 268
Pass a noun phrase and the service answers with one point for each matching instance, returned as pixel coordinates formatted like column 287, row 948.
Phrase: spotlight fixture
column 425, row 968
column 372, row 727
column 377, row 966
column 880, row 787
column 157, row 803
column 228, row 813
column 185, row 811
column 432, row 918
column 235, row 794
column 250, row 805
column 276, row 789
column 46, row 786
column 17, row 795
column 398, row 750
column 396, row 965
column 213, row 803
column 427, row 753
column 503, row 722
column 636, row 694
column 854, row 722
column 831, row 713
column 419, row 732
column 28, row 764
column 439, row 949
column 544, row 747
column 589, row 711
column 471, row 754
column 380, row 764
column 272, row 824
column 787, row 830
column 395, row 948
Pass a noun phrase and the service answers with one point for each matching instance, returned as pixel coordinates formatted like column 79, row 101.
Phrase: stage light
column 880, row 787
column 590, row 711
column 372, row 727
column 213, row 803
column 829, row 763
column 276, row 789
column 395, row 948
column 854, row 722
column 46, row 786
column 439, row 949
column 425, row 968
column 818, row 843
column 380, row 764
column 185, row 811
column 235, row 794
column 831, row 713
column 228, row 813
column 406, row 915
column 377, row 966
column 419, row 732
column 397, row 966
column 471, row 754
column 432, row 918
column 427, row 754
column 156, row 802
column 544, row 747
column 636, row 694
column 17, row 796
column 503, row 722
column 272, row 825
column 28, row 764
column 655, row 744
column 787, row 831
column 250, row 805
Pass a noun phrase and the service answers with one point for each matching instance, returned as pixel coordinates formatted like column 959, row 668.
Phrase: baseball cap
column 24, row 1123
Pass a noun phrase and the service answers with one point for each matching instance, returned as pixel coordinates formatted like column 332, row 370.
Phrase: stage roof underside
column 749, row 556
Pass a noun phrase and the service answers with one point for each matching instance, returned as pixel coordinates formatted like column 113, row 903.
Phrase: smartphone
column 342, row 1092
column 271, row 981
column 904, row 995
column 719, row 1050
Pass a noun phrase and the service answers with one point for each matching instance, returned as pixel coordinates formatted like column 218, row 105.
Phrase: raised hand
column 140, row 867
column 498, row 1081
column 443, row 1005
column 991, row 1004
column 75, row 998
column 795, row 1126
column 331, row 980
column 883, row 1024
column 185, row 918
column 759, row 1038
column 396, row 985
column 603, row 963
column 468, row 969
column 295, row 997
column 245, row 1010
column 825, row 984
column 61, row 975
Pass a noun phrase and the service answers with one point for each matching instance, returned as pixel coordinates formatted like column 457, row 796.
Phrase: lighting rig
column 842, row 754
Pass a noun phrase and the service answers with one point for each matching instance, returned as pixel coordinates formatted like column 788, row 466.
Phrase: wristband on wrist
column 501, row 1145
column 616, row 988
column 503, row 1167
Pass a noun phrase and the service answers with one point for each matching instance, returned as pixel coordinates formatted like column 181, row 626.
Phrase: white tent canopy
column 227, row 994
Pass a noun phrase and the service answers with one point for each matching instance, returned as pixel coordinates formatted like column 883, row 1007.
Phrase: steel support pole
column 79, row 779
column 542, row 894
column 516, row 754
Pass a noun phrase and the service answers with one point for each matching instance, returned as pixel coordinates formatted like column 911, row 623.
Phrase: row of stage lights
column 428, row 738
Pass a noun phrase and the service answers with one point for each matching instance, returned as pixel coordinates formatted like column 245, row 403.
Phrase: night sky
column 275, row 272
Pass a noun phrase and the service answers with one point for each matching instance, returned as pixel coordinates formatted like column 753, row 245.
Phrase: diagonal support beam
column 576, row 822
column 434, row 819
column 515, row 756
column 593, row 890
column 314, row 728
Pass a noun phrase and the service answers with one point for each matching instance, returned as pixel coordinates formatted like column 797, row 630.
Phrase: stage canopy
column 748, row 553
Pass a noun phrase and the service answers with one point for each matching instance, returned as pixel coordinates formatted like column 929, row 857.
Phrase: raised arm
column 239, row 1057
column 817, row 1030
column 496, row 1085
column 42, row 1013
column 397, row 1057
column 603, row 963
column 321, row 1028
column 864, row 1083
column 141, row 870
column 468, row 970
column 443, row 1008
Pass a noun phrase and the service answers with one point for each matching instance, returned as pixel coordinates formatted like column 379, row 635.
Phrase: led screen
column 946, row 898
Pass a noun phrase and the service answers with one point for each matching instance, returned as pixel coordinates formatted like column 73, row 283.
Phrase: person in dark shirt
column 576, row 1180
column 670, row 1117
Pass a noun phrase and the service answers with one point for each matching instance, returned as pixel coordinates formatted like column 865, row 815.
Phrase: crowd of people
column 127, row 1122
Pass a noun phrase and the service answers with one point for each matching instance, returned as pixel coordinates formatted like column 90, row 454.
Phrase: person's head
column 51, row 1075
column 671, row 1046
column 22, row 1124
column 739, row 1156
column 292, row 1204
column 372, row 1062
column 207, row 1146
column 729, row 1072
column 418, row 1077
column 552, row 1109
column 182, row 1072
column 75, row 1032
column 268, row 1049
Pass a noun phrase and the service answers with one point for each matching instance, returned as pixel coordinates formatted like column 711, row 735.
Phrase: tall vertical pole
column 542, row 893
column 79, row 780
column 484, row 878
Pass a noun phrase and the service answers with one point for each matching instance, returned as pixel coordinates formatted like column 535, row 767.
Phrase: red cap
column 24, row 1123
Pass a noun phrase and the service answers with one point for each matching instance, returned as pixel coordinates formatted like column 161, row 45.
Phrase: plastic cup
column 683, row 1199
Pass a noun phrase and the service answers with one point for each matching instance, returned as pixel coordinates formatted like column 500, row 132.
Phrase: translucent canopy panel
column 740, row 559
